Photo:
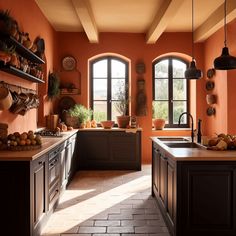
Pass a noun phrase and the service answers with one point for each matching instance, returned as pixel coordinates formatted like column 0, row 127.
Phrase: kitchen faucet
column 187, row 113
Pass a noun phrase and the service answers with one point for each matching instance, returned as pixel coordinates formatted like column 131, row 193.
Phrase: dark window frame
column 170, row 90
column 109, row 86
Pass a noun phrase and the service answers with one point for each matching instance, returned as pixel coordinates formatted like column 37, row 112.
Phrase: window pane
column 179, row 89
column 114, row 112
column 178, row 69
column 178, row 108
column 160, row 110
column 117, row 69
column 161, row 89
column 161, row 69
column 100, row 69
column 116, row 86
column 99, row 89
column 99, row 111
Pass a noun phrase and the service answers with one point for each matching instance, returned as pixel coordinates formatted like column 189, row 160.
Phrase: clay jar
column 159, row 124
column 210, row 99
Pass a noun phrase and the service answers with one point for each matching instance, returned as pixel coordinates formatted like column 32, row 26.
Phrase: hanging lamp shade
column 225, row 61
column 192, row 72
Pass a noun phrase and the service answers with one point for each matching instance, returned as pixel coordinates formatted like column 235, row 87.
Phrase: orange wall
column 30, row 19
column 133, row 47
column 225, row 83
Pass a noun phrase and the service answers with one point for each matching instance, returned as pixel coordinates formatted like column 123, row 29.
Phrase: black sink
column 183, row 145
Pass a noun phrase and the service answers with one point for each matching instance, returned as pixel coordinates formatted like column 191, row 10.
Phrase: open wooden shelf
column 14, row 71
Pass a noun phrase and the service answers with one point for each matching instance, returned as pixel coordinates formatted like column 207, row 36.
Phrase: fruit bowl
column 107, row 124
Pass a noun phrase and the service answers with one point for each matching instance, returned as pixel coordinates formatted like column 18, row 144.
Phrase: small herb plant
column 81, row 112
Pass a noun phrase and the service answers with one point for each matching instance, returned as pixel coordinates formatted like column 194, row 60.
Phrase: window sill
column 172, row 129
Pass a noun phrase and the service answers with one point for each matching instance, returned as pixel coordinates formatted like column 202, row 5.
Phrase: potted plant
column 81, row 114
column 122, row 106
column 53, row 85
column 6, row 21
column 158, row 121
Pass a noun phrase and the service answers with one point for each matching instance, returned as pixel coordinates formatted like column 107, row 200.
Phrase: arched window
column 108, row 75
column 170, row 91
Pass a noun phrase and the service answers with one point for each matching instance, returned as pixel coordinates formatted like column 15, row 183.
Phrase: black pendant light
column 192, row 72
column 225, row 61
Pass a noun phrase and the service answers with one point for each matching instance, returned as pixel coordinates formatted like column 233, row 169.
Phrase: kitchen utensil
column 5, row 98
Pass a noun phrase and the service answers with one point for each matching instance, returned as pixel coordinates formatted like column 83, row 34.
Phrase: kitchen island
column 195, row 188
column 32, row 181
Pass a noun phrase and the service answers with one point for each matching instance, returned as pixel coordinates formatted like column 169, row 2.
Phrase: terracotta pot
column 123, row 121
column 159, row 124
column 5, row 98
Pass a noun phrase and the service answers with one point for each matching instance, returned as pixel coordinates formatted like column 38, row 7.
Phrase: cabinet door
column 68, row 151
column 170, row 190
column 156, row 167
column 163, row 179
column 208, row 199
column 39, row 188
column 63, row 167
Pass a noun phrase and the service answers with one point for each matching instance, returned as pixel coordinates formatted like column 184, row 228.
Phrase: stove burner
column 49, row 133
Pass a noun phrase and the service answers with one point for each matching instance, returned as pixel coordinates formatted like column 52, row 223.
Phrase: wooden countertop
column 130, row 130
column 47, row 144
column 195, row 154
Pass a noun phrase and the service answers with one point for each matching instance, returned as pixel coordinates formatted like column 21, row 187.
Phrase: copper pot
column 5, row 98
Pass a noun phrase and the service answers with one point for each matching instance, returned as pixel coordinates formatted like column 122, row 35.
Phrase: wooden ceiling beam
column 163, row 17
column 215, row 21
column 85, row 14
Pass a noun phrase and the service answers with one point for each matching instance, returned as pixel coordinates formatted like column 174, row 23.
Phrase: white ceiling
column 152, row 17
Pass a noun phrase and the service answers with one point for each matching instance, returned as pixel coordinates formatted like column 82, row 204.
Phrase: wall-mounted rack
column 17, row 88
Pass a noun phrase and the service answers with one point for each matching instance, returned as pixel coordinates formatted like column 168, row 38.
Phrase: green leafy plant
column 81, row 112
column 6, row 21
column 53, row 85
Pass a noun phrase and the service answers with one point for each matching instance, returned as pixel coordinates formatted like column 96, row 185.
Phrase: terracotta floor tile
column 92, row 230
column 120, row 230
column 108, row 203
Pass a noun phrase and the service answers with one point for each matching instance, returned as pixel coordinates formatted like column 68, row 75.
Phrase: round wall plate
column 69, row 63
column 210, row 73
column 211, row 111
column 210, row 85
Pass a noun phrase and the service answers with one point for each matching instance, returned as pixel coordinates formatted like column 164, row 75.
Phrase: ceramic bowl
column 107, row 124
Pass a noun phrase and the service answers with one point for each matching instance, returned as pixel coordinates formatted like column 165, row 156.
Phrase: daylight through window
column 109, row 75
column 170, row 91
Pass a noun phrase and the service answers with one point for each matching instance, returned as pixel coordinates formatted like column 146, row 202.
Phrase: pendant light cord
column 225, row 30
column 192, row 32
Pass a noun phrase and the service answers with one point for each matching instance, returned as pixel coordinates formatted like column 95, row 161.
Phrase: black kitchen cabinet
column 68, row 159
column 30, row 190
column 195, row 197
column 109, row 150
column 40, row 191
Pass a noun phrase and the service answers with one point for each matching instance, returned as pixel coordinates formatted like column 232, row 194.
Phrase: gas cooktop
column 49, row 133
